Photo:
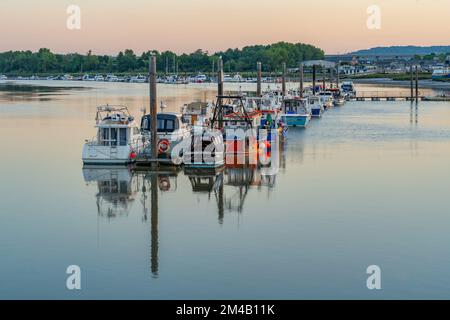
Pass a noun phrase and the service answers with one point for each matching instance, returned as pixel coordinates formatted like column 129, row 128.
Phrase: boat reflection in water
column 118, row 189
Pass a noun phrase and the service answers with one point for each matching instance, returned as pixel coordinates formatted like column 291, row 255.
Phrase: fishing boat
column 118, row 137
column 206, row 149
column 197, row 113
column 326, row 99
column 348, row 89
column 295, row 112
column 315, row 106
column 171, row 130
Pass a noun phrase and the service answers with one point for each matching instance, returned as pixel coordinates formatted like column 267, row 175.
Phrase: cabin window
column 170, row 125
column 104, row 136
column 123, row 136
column 113, row 137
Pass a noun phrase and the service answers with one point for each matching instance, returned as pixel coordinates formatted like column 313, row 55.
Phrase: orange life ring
column 163, row 146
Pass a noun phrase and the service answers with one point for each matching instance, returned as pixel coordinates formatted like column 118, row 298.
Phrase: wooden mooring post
column 153, row 111
column 283, row 84
column 301, row 79
column 258, row 83
column 314, row 79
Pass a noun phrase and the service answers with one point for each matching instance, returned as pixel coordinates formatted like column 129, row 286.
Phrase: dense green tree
column 235, row 60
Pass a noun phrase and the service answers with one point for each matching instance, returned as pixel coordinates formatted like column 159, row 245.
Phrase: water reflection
column 118, row 189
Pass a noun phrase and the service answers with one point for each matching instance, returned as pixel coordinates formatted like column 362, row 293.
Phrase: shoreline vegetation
column 46, row 63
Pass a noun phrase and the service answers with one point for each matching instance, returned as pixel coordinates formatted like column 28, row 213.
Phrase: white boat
column 171, row 131
column 327, row 99
column 348, row 88
column 197, row 114
column 138, row 79
column 118, row 137
column 99, row 78
column 205, row 150
column 296, row 113
column 87, row 77
column 3, row 77
column 112, row 78
column 315, row 106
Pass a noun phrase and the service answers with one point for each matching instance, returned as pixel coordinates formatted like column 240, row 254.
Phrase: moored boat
column 118, row 137
column 295, row 112
column 315, row 106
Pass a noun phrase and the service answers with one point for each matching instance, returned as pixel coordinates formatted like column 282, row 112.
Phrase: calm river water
column 368, row 184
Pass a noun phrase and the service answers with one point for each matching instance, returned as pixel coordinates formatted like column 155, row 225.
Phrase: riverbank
column 423, row 84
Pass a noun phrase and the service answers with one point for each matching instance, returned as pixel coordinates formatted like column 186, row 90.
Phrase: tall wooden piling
column 283, row 85
column 314, row 79
column 301, row 79
column 417, row 84
column 337, row 75
column 220, row 91
column 324, row 75
column 258, row 83
column 153, row 110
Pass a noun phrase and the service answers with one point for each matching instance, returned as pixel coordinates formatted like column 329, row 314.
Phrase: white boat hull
column 105, row 155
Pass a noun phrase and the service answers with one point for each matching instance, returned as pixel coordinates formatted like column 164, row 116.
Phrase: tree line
column 235, row 60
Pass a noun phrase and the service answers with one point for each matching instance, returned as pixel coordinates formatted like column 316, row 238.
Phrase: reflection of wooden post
column 283, row 85
column 417, row 84
column 412, row 84
column 220, row 200
column 301, row 80
column 154, row 225
column 258, row 83
column 153, row 110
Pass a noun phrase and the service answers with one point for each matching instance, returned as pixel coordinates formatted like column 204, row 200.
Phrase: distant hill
column 403, row 50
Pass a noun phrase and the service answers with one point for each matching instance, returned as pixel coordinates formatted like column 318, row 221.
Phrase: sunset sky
column 108, row 26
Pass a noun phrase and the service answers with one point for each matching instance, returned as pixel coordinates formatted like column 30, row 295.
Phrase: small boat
column 171, row 131
column 327, row 100
column 348, row 89
column 3, row 77
column 206, row 149
column 112, row 78
column 315, row 106
column 88, row 77
column 138, row 79
column 117, row 140
column 296, row 113
column 197, row 113
column 99, row 78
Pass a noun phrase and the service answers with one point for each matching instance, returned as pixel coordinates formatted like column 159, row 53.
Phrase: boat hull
column 296, row 120
column 316, row 112
column 105, row 155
